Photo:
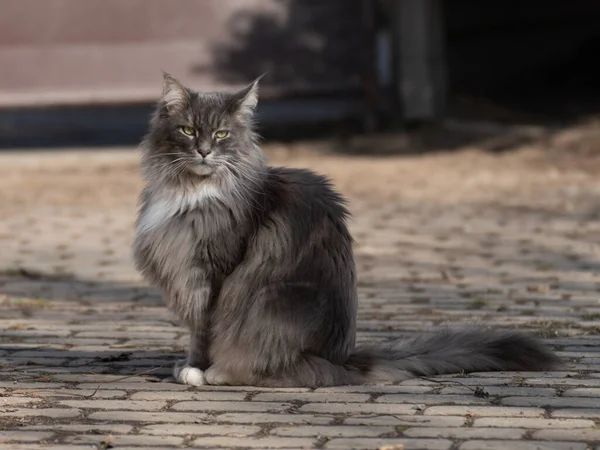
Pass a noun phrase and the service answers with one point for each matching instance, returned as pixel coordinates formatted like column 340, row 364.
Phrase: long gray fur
column 258, row 262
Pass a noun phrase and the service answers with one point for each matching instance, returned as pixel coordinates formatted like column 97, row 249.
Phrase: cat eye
column 221, row 134
column 189, row 131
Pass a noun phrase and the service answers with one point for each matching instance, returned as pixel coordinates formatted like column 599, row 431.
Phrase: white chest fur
column 164, row 206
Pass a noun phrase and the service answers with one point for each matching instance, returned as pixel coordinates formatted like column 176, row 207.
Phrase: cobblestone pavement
column 507, row 240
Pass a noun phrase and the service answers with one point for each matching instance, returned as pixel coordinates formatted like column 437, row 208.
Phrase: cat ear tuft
column 174, row 93
column 247, row 98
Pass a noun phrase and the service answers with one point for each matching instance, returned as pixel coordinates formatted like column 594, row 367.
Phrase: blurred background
column 423, row 112
column 85, row 73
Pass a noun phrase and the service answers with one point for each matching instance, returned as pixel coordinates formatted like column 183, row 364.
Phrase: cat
column 257, row 261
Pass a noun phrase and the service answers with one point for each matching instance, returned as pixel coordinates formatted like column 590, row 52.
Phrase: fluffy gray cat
column 258, row 262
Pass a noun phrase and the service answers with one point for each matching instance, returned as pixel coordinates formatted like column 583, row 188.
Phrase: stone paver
column 507, row 240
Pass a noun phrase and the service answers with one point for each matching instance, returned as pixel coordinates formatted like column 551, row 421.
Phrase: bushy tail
column 452, row 351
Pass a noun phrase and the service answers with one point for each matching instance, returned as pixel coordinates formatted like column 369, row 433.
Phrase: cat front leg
column 191, row 370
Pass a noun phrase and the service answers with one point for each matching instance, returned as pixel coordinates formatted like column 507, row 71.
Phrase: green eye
column 221, row 134
column 188, row 130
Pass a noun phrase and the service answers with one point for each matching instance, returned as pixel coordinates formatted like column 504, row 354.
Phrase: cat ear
column 175, row 95
column 247, row 98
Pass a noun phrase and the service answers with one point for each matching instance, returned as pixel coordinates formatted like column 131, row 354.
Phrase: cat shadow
column 65, row 365
column 60, row 326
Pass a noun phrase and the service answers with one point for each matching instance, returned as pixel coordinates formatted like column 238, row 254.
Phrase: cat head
column 199, row 136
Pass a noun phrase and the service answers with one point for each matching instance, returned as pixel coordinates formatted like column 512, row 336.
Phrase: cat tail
column 452, row 351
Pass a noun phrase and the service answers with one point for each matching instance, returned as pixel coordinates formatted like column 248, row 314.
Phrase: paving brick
column 414, row 381
column 533, row 423
column 94, row 428
column 190, row 395
column 399, row 420
column 483, row 411
column 23, row 436
column 244, row 389
column 570, row 435
column 115, row 404
column 584, row 413
column 74, row 372
column 263, row 442
column 33, row 361
column 139, row 386
column 129, row 334
column 553, row 402
column 311, row 397
column 230, row 406
column 49, row 354
column 358, row 408
column 409, row 444
column 21, row 386
column 378, row 389
column 55, row 413
column 200, row 430
column 143, row 441
column 274, row 418
column 101, row 379
column 503, row 391
column 14, row 446
column 332, row 431
column 133, row 363
column 583, row 382
column 556, row 374
column 582, row 392
column 465, row 433
column 524, row 445
column 432, row 399
column 6, row 401
column 79, row 393
column 142, row 416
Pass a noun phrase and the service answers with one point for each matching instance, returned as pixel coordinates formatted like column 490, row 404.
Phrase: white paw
column 215, row 377
column 185, row 374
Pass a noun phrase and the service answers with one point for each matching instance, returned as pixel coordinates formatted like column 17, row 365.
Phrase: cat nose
column 204, row 153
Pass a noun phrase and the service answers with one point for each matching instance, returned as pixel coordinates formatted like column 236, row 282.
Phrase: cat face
column 201, row 134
